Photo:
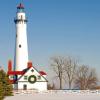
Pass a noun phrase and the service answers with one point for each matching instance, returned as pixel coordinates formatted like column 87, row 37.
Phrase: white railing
column 57, row 91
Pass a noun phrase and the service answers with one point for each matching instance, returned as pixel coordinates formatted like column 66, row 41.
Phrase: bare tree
column 70, row 66
column 58, row 67
column 85, row 78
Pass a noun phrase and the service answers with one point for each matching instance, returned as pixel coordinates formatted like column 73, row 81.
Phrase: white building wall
column 41, row 86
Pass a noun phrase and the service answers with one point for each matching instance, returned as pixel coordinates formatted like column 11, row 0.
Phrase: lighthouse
column 21, row 46
column 24, row 76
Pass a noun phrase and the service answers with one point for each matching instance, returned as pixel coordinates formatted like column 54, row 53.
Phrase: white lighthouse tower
column 21, row 49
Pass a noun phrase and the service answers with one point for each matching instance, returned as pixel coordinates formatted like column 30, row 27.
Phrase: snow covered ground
column 56, row 95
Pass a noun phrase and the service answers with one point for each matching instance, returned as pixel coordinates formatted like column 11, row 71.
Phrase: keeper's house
column 27, row 79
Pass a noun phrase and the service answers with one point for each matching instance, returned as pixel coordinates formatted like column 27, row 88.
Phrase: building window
column 19, row 46
column 24, row 87
column 32, row 70
column 11, row 77
column 39, row 77
column 25, row 77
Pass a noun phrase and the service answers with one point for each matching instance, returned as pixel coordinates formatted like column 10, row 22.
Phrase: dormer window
column 25, row 77
column 39, row 77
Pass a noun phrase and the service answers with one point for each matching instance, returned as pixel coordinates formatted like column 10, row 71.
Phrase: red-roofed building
column 29, row 78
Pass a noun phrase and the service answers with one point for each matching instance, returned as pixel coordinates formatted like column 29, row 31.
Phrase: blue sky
column 55, row 27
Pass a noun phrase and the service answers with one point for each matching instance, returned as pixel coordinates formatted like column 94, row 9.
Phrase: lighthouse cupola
column 20, row 8
column 20, row 17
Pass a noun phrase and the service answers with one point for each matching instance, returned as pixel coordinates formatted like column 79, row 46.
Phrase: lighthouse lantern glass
column 20, row 10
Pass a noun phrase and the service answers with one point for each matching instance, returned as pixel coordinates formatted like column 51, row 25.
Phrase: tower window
column 21, row 17
column 20, row 46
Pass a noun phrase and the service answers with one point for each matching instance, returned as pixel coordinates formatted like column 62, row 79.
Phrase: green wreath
column 32, row 79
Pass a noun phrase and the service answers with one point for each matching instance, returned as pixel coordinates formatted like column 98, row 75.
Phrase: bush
column 51, row 87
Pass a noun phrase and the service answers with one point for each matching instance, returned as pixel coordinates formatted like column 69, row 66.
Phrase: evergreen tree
column 5, row 86
column 1, row 91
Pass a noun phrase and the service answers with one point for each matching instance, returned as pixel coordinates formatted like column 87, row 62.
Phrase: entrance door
column 24, row 87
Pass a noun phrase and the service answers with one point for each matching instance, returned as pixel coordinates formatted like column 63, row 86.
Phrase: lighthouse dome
column 20, row 8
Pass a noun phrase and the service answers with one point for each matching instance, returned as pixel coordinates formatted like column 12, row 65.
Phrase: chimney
column 9, row 65
column 29, row 64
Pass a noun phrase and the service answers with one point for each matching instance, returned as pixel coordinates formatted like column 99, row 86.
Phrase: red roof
column 16, row 72
column 42, row 73
column 20, row 6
